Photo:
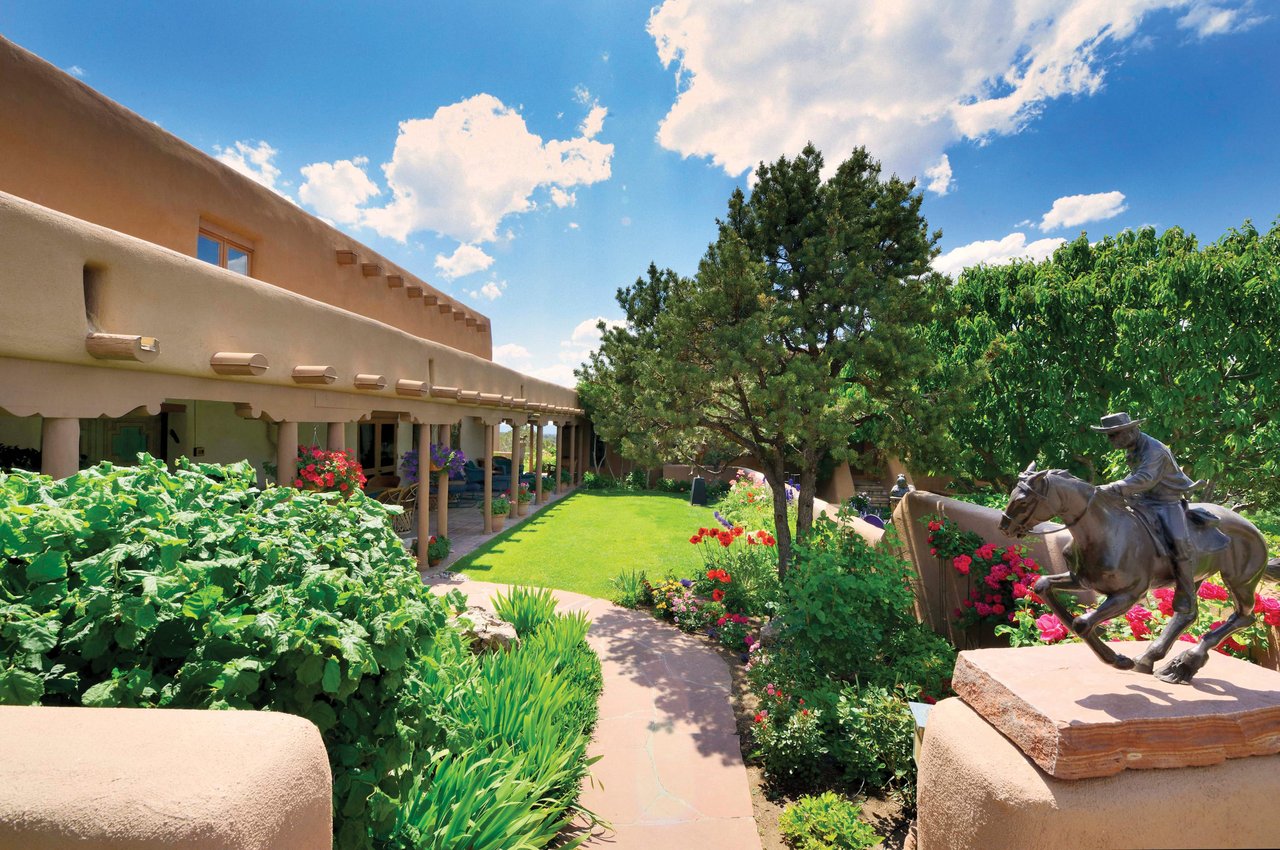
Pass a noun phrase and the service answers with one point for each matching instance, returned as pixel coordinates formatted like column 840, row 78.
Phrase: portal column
column 59, row 447
column 336, row 440
column 424, row 493
column 517, row 461
column 442, row 484
column 286, row 453
column 488, row 478
column 537, row 480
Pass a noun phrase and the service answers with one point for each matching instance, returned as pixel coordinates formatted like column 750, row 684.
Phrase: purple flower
column 686, row 582
column 720, row 519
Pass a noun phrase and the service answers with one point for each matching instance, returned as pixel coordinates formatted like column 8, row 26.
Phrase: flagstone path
column 672, row 775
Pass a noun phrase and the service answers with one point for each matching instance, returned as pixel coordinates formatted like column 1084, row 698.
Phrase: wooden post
column 573, row 455
column 555, row 487
column 287, row 453
column 517, row 461
column 488, row 478
column 442, row 487
column 60, row 447
column 424, row 493
column 336, row 439
column 537, row 481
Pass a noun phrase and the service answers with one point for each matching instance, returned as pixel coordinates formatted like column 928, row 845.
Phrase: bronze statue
column 1131, row 535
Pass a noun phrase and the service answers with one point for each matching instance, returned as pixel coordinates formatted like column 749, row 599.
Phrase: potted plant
column 438, row 548
column 326, row 471
column 524, row 495
column 498, row 509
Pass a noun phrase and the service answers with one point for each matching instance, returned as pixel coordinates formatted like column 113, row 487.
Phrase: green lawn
column 584, row 540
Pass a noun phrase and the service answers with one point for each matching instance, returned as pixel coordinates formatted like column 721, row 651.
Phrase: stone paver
column 672, row 775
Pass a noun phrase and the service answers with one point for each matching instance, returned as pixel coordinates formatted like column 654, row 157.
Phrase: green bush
column 138, row 587
column 826, row 822
column 850, row 654
column 526, row 608
column 672, row 485
column 517, row 753
column 631, row 589
column 599, row 481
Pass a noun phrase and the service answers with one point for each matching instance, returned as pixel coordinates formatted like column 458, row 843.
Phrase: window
column 376, row 448
column 220, row 250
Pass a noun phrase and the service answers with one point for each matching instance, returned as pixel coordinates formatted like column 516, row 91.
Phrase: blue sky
column 532, row 157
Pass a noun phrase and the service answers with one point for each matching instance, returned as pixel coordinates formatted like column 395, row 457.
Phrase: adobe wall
column 117, row 778
column 67, row 147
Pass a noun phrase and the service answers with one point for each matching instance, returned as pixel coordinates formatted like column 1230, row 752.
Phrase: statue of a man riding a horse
column 1138, row 533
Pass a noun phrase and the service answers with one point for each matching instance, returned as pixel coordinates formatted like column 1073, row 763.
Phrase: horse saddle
column 1205, row 535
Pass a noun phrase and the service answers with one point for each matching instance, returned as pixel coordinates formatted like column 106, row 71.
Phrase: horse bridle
column 1022, row 486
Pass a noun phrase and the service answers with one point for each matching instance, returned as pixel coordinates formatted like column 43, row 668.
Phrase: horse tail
column 1273, row 569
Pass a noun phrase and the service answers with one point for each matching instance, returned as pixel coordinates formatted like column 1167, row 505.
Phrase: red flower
column 961, row 563
column 986, row 552
column 717, row 595
column 695, row 539
column 1209, row 590
column 934, row 525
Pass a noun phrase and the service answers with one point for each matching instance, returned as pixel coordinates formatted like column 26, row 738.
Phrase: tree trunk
column 782, row 532
column 804, row 502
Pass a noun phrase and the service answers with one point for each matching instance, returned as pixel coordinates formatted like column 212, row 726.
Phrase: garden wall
column 939, row 589
column 101, row 778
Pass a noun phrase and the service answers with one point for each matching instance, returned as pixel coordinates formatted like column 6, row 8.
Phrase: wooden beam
column 430, row 300
column 395, row 281
column 314, row 374
column 413, row 290
column 446, row 308
column 140, row 349
column 371, row 382
column 238, row 363
column 468, row 396
column 346, row 258
column 482, row 327
column 445, row 392
column 371, row 270
column 459, row 316
column 404, row 386
column 471, row 323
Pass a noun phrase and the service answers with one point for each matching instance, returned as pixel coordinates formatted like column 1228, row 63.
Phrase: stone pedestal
column 1163, row 765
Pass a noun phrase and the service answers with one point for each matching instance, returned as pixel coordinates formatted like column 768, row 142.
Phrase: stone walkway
column 672, row 775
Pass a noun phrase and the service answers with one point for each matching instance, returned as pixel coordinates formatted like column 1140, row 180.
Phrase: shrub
column 741, row 567
column 672, row 485
column 517, row 747
column 876, row 737
column 138, row 587
column 526, row 608
column 12, row 457
column 826, row 822
column 636, row 479
column 631, row 589
column 793, row 748
column 599, row 481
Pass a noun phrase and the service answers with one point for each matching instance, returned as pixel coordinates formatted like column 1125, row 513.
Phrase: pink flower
column 986, row 552
column 1269, row 608
column 983, row 609
column 1138, row 618
column 961, row 563
column 1209, row 590
column 1051, row 628
column 1019, row 590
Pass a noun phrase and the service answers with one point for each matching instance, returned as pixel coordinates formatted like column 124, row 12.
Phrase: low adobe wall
column 115, row 778
column 939, row 589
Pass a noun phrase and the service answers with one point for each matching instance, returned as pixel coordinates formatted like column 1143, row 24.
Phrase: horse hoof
column 1123, row 662
column 1180, row 670
column 1142, row 665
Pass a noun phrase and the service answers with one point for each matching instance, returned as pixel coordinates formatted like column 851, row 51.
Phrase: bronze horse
column 1113, row 554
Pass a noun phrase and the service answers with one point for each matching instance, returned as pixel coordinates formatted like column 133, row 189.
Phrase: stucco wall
column 195, row 310
column 67, row 147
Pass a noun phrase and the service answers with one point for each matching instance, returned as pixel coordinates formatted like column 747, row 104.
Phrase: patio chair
column 406, row 498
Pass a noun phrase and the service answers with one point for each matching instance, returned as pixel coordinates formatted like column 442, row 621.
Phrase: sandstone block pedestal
column 1165, row 765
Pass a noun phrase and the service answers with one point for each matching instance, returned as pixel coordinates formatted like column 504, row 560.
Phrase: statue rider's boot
column 1184, row 579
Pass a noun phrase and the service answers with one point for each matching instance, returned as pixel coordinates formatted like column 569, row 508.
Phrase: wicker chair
column 406, row 498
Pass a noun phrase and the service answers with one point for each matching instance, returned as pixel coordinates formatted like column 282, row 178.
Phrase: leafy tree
column 804, row 323
column 1180, row 335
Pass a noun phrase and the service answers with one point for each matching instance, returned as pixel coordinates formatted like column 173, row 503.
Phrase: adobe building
column 156, row 300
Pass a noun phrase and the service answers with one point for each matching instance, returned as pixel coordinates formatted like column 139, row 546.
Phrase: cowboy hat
column 1113, row 422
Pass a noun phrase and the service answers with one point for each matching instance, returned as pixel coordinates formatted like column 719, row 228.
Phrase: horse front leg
column 1084, row 625
column 1159, row 648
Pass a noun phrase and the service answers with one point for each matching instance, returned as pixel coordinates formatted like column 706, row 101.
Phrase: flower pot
column 433, row 562
column 499, row 520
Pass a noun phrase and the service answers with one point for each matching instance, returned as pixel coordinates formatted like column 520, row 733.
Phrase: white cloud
column 467, row 259
column 594, row 122
column 625, row 221
column 939, row 176
column 1210, row 19
column 1072, row 210
column 76, row 71
column 335, row 190
column 995, row 252
column 512, row 354
column 254, row 161
column 460, row 172
column 758, row 80
column 492, row 290
column 573, row 225
column 561, row 198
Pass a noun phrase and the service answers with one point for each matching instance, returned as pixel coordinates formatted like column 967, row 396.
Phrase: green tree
column 1180, row 335
column 805, row 323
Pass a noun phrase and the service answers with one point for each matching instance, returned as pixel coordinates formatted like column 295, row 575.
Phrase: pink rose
column 961, row 563
column 1051, row 628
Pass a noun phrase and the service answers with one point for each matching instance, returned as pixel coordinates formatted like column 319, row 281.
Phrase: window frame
column 226, row 240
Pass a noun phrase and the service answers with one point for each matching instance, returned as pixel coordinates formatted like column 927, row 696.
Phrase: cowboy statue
column 1156, row 488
